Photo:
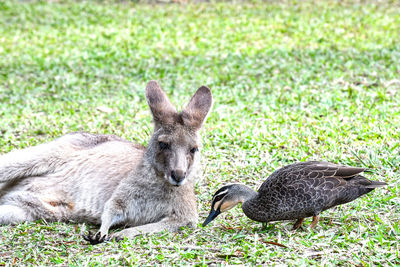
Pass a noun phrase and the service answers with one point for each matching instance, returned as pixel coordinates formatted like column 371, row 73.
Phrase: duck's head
column 226, row 198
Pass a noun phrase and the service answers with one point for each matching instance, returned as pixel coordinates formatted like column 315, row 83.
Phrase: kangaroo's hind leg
column 20, row 206
column 46, row 158
column 33, row 161
column 10, row 214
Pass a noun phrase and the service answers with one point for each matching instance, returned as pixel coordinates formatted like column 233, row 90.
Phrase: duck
column 295, row 192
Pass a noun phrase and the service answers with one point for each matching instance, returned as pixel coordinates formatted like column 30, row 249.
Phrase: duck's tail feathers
column 375, row 184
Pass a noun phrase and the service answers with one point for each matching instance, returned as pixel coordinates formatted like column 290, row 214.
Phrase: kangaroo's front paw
column 95, row 239
column 118, row 236
column 128, row 233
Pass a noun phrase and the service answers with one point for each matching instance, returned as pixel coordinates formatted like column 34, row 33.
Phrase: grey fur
column 105, row 179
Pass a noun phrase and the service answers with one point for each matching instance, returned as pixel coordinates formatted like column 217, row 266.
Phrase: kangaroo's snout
column 178, row 176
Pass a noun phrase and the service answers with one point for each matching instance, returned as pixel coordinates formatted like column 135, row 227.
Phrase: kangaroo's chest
column 148, row 208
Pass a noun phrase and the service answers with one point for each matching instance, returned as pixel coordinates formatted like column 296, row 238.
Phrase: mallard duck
column 295, row 192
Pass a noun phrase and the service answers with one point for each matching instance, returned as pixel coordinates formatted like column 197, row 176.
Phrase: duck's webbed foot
column 297, row 224
column 314, row 222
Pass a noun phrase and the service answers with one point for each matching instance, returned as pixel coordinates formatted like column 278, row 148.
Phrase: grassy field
column 292, row 81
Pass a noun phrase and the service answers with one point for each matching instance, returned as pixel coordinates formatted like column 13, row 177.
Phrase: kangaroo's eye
column 194, row 150
column 163, row 145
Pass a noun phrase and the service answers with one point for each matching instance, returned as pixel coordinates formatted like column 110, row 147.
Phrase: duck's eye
column 218, row 197
column 194, row 150
column 163, row 145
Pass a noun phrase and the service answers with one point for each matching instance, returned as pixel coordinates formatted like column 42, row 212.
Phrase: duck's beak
column 213, row 214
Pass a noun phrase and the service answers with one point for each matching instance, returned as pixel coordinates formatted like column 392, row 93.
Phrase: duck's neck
column 251, row 206
column 246, row 193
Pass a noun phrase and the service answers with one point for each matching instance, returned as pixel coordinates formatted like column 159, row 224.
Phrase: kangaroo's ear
column 194, row 114
column 161, row 108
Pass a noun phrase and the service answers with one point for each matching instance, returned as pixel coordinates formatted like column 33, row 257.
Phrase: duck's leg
column 314, row 222
column 297, row 224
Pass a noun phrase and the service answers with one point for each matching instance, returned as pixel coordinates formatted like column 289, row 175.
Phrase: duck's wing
column 321, row 169
column 308, row 170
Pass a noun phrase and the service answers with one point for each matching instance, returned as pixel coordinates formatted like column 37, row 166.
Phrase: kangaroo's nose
column 178, row 175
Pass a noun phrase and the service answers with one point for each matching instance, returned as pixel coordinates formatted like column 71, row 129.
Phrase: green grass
column 292, row 81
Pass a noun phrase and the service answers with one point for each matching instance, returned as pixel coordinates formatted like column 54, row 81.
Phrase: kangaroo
column 104, row 179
